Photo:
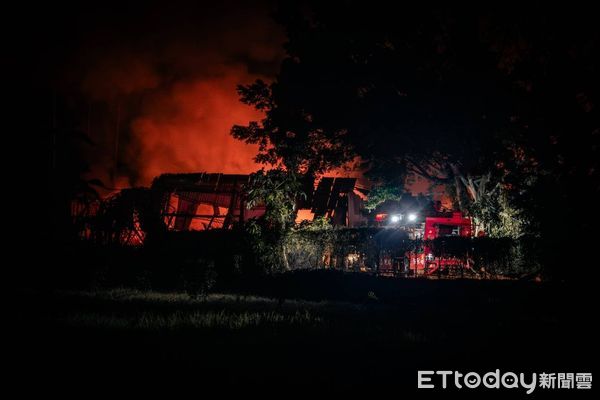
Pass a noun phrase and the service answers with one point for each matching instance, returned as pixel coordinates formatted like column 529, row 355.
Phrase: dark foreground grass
column 251, row 341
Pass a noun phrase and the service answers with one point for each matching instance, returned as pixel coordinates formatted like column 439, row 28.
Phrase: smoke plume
column 161, row 87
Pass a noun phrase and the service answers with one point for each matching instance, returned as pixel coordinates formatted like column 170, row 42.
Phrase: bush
column 199, row 277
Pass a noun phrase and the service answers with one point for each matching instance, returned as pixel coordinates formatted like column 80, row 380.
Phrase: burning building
column 204, row 201
column 409, row 238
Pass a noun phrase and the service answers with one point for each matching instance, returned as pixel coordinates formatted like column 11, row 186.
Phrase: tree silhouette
column 497, row 104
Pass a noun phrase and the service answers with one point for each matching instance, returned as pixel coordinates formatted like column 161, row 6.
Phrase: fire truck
column 423, row 261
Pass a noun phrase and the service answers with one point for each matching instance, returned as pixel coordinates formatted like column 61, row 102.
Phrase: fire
column 162, row 97
column 187, row 129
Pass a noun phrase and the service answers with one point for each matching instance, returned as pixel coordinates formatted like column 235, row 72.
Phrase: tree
column 287, row 137
column 493, row 103
column 277, row 190
column 397, row 93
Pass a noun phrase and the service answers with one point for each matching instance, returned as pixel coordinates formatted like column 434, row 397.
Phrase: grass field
column 376, row 339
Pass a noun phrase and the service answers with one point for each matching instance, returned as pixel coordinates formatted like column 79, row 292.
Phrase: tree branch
column 419, row 170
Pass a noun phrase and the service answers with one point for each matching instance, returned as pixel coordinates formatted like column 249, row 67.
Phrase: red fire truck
column 423, row 261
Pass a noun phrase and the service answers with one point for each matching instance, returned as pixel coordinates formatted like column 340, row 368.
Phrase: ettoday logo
column 473, row 380
column 507, row 380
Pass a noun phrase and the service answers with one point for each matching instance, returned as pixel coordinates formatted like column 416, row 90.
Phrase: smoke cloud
column 186, row 128
column 161, row 87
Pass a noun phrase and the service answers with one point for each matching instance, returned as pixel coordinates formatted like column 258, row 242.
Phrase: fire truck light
column 412, row 217
column 395, row 219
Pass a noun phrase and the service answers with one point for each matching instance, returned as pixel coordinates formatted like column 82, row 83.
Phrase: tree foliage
column 277, row 190
column 501, row 106
column 287, row 136
column 380, row 194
